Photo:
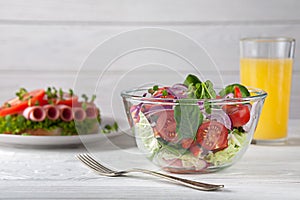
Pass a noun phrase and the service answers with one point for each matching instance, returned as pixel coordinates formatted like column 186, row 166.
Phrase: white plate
column 55, row 141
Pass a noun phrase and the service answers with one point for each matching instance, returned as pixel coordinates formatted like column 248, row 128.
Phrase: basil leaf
column 188, row 117
column 209, row 89
column 230, row 89
column 191, row 79
column 199, row 92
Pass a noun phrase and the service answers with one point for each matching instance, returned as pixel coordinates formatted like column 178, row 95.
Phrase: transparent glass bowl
column 192, row 135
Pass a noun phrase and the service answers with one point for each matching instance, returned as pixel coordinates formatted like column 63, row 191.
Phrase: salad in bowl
column 192, row 127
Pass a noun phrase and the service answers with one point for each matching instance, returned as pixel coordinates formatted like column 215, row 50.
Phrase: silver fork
column 102, row 170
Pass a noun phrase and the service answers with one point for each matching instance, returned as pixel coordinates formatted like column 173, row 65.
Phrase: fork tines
column 93, row 164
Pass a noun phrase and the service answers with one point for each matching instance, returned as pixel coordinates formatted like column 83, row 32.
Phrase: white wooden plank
column 66, row 47
column 111, row 83
column 264, row 172
column 149, row 11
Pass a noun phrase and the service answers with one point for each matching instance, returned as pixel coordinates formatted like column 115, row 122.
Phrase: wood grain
column 264, row 172
column 113, row 82
column 46, row 42
column 143, row 11
column 66, row 47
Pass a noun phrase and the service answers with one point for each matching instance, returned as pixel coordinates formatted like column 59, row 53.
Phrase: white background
column 44, row 43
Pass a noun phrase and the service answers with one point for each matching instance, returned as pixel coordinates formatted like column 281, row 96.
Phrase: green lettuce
column 237, row 140
column 18, row 124
column 145, row 136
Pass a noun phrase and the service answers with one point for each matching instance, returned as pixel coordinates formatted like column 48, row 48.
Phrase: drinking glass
column 266, row 63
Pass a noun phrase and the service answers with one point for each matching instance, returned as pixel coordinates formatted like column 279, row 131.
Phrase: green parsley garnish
column 164, row 93
column 61, row 94
column 110, row 128
column 21, row 93
column 71, row 92
column 153, row 89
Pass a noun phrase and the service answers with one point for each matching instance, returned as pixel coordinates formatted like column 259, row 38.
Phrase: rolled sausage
column 35, row 113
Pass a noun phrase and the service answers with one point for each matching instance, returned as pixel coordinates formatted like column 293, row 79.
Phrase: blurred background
column 45, row 42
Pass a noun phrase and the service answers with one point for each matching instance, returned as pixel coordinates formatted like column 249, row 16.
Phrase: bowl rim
column 259, row 94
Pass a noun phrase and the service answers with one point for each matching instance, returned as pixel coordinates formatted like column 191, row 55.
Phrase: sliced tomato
column 68, row 100
column 166, row 126
column 212, row 136
column 16, row 105
column 239, row 114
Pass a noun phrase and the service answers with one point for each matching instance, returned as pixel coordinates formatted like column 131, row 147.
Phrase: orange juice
column 273, row 76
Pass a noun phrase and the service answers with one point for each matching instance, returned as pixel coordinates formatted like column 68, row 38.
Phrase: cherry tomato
column 239, row 114
column 16, row 105
column 212, row 136
column 166, row 126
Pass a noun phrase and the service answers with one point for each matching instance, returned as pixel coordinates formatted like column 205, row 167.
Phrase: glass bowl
column 192, row 135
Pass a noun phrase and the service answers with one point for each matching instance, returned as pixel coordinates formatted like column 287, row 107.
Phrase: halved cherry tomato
column 239, row 114
column 166, row 126
column 212, row 136
column 16, row 105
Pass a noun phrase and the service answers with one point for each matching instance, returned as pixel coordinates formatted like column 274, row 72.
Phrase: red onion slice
column 229, row 96
column 135, row 111
column 201, row 106
column 252, row 109
column 179, row 90
column 155, row 108
column 220, row 116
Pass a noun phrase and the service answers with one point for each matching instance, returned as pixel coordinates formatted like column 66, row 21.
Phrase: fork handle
column 185, row 182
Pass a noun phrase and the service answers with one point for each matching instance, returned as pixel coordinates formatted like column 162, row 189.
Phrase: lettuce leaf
column 237, row 140
column 145, row 136
column 17, row 124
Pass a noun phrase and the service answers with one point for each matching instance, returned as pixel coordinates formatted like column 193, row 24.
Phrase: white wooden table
column 265, row 172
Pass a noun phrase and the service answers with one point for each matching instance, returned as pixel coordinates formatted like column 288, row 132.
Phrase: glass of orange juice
column 266, row 63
